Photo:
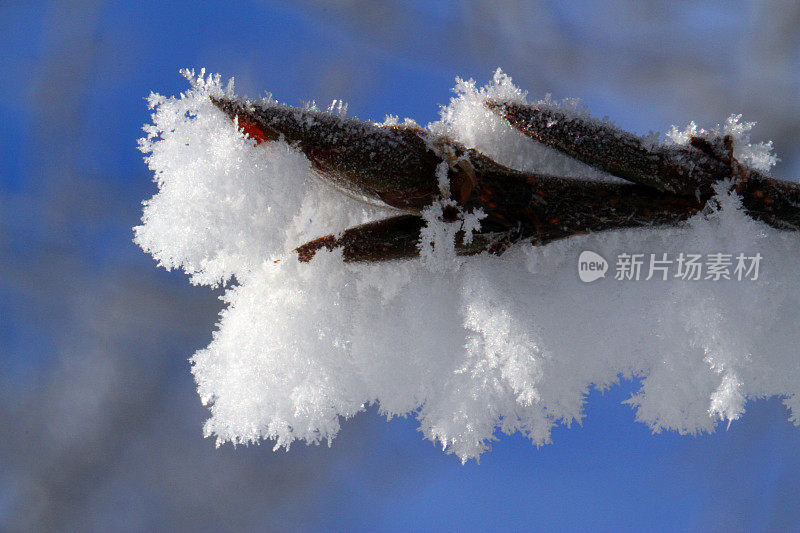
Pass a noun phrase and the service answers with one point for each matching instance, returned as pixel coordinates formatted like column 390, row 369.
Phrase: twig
column 400, row 165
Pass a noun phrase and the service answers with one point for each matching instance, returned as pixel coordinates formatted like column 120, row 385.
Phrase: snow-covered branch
column 468, row 344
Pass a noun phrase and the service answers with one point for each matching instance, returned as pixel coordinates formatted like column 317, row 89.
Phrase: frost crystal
column 468, row 346
column 758, row 156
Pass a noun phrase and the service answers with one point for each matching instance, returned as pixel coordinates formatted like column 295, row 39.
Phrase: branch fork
column 403, row 166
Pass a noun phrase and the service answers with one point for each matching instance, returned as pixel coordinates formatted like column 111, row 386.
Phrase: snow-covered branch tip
column 401, row 166
column 492, row 328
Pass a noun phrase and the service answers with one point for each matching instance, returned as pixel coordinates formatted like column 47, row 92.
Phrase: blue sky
column 97, row 404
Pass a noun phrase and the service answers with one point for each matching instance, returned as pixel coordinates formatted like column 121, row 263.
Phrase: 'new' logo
column 591, row 266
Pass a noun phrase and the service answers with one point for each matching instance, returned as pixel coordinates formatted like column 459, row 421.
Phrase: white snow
column 758, row 156
column 467, row 345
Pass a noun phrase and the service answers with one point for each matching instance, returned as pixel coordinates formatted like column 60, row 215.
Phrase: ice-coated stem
column 684, row 170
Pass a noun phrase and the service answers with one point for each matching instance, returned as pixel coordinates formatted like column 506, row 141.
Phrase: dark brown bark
column 541, row 209
column 398, row 165
column 394, row 164
column 390, row 238
column 680, row 170
column 775, row 202
column 690, row 171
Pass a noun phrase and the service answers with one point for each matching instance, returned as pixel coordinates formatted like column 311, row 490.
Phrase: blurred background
column 100, row 425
